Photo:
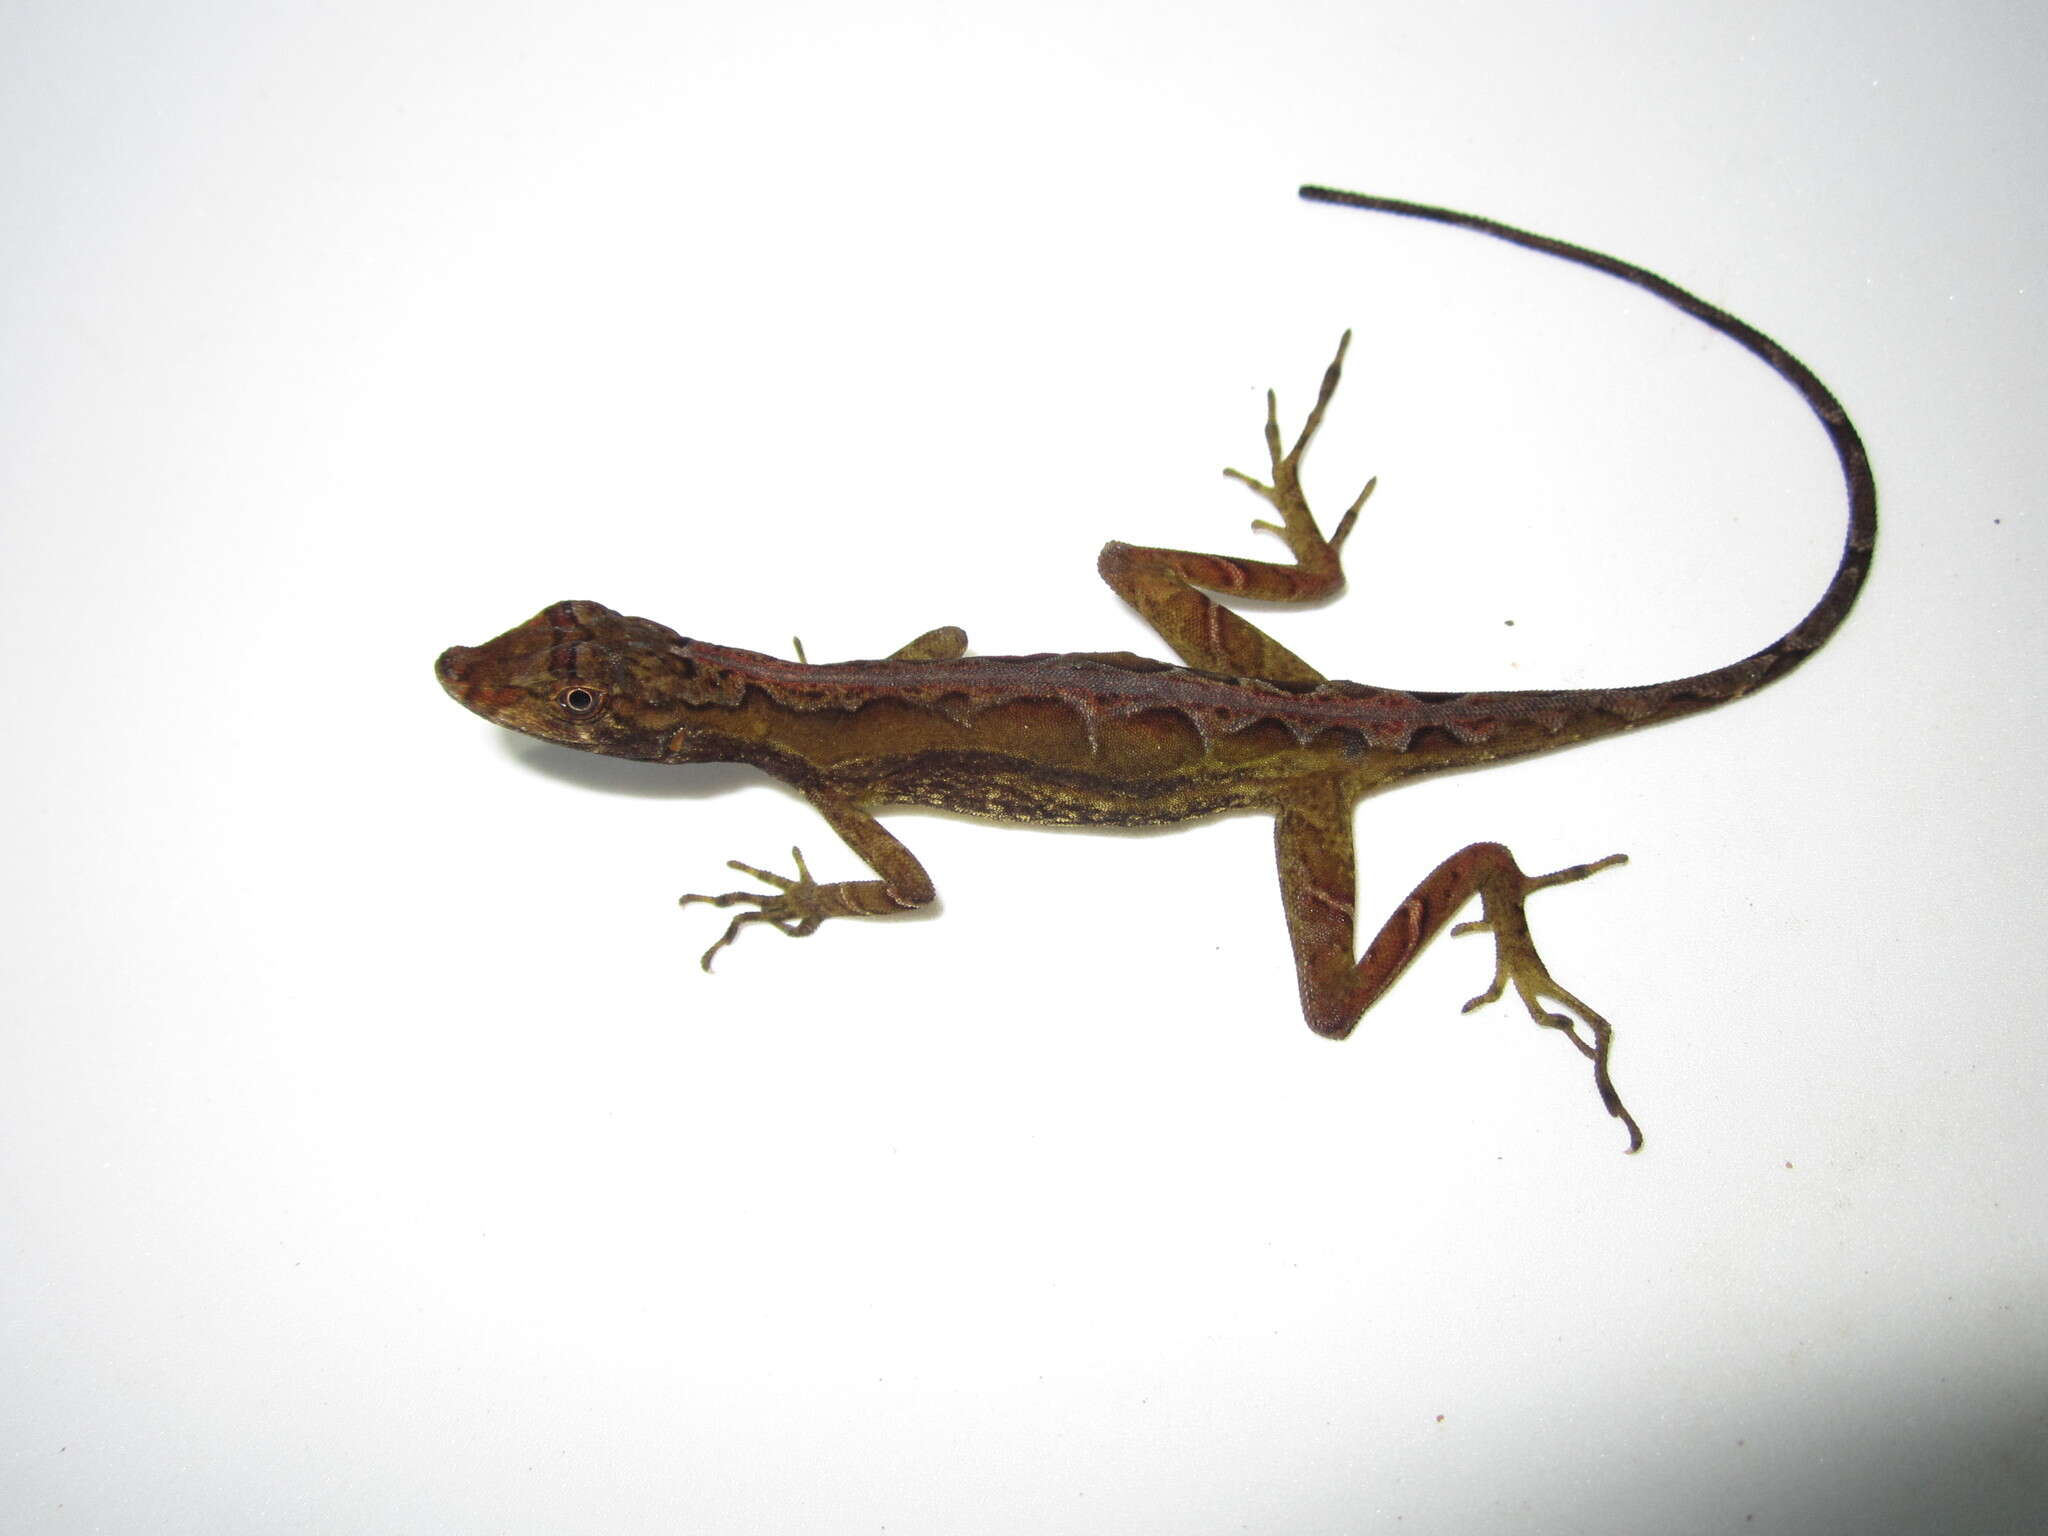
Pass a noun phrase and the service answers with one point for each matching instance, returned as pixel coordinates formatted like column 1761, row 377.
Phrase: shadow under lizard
column 1115, row 739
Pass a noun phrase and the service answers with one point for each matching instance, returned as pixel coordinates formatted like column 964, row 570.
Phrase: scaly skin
column 1121, row 740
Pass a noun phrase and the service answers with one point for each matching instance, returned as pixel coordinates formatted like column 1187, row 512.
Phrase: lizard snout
column 453, row 668
column 459, row 670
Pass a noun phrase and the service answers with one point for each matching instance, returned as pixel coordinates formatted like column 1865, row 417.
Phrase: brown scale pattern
column 1118, row 739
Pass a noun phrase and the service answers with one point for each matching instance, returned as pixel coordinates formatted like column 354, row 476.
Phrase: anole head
column 578, row 674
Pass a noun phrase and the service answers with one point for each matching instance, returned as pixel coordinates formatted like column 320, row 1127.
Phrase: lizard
column 1117, row 739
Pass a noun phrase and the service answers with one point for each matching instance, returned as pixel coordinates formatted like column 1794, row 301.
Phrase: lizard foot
column 1517, row 964
column 794, row 908
column 1298, row 526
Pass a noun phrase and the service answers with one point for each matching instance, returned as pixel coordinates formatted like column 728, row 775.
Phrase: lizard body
column 1124, row 740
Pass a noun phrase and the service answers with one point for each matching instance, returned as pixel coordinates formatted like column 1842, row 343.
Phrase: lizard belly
column 1009, row 789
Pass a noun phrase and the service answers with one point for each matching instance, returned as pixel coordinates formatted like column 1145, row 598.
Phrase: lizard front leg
column 1318, row 885
column 797, row 906
column 946, row 643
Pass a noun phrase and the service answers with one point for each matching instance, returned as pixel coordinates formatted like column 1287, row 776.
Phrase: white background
column 374, row 1156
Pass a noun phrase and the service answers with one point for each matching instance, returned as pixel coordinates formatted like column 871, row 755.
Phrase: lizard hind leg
column 1318, row 887
column 1170, row 587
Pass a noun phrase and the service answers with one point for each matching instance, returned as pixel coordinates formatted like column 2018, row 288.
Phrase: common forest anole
column 1115, row 739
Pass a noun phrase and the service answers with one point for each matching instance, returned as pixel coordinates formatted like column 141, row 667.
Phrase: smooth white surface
column 375, row 1157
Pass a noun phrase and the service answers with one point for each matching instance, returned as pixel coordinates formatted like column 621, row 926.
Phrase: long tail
column 1775, row 660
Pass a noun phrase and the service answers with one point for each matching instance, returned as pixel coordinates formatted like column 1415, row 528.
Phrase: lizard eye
column 580, row 701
